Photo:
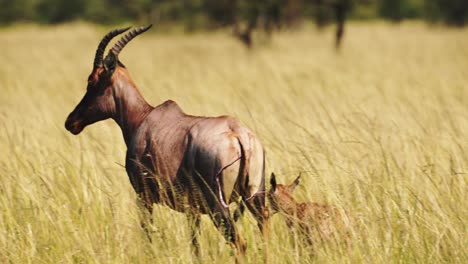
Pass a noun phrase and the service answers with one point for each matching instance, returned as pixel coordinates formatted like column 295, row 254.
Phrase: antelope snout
column 73, row 124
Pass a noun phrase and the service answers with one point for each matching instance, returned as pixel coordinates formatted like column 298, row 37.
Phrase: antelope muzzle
column 74, row 124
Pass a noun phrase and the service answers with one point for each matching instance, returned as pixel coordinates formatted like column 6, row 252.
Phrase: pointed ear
column 110, row 62
column 273, row 182
column 295, row 183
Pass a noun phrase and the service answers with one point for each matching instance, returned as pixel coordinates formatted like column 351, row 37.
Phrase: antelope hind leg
column 194, row 225
column 226, row 225
column 257, row 207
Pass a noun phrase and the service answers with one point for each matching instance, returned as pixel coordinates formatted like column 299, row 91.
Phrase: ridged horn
column 102, row 45
column 127, row 38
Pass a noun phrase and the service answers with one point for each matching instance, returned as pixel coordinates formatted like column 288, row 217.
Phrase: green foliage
column 397, row 10
column 18, row 10
column 196, row 14
column 453, row 12
column 380, row 131
column 56, row 11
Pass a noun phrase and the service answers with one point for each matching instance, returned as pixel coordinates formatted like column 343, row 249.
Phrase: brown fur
column 315, row 222
column 193, row 164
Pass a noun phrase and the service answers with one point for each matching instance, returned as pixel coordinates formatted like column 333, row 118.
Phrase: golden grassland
column 379, row 129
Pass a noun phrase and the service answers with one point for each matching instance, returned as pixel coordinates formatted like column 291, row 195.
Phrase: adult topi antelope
column 197, row 165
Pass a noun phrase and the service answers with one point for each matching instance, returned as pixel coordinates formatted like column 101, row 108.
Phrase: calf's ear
column 273, row 181
column 295, row 183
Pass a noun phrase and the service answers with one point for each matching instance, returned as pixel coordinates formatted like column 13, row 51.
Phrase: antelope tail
column 251, row 173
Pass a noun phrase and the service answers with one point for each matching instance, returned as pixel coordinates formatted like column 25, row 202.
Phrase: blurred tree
column 341, row 8
column 391, row 9
column 452, row 12
column 18, row 10
column 396, row 10
column 248, row 14
column 244, row 16
column 264, row 15
column 325, row 12
column 55, row 11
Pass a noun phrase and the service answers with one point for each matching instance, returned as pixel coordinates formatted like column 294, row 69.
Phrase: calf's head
column 280, row 195
column 99, row 103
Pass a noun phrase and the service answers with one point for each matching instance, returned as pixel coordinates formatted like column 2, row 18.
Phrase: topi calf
column 315, row 222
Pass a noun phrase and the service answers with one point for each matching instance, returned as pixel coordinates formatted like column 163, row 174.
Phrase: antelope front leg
column 138, row 174
column 146, row 218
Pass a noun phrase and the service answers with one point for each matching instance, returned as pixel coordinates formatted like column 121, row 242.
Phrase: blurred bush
column 206, row 14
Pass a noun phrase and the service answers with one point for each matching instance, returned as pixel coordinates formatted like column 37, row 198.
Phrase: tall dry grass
column 380, row 129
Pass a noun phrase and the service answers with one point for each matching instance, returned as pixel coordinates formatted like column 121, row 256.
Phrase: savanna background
column 377, row 124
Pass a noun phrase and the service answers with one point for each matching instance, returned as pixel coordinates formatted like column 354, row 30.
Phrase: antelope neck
column 131, row 108
column 289, row 206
